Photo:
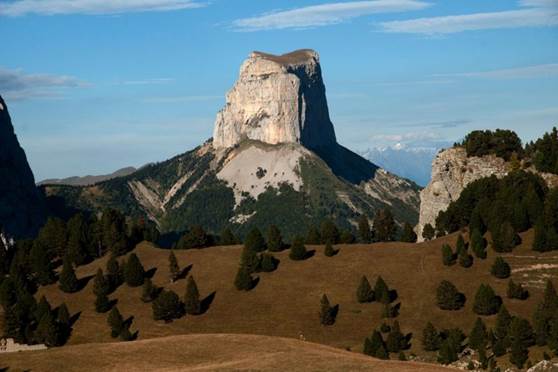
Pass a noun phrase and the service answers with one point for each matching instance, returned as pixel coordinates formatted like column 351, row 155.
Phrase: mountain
column 273, row 159
column 413, row 163
column 89, row 179
column 21, row 204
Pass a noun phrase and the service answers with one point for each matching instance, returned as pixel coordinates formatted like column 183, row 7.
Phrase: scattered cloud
column 17, row 85
column 324, row 14
column 52, row 7
column 536, row 13
column 535, row 71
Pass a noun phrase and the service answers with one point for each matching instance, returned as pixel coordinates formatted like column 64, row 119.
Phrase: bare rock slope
column 21, row 203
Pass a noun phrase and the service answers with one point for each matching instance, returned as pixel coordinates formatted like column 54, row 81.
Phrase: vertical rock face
column 277, row 99
column 21, row 204
column 452, row 170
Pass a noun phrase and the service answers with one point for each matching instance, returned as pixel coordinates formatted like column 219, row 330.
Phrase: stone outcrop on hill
column 277, row 99
column 452, row 171
column 21, row 203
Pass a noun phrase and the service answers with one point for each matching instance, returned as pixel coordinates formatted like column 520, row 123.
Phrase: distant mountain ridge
column 89, row 179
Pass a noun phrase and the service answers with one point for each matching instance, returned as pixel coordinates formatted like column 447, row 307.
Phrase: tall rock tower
column 277, row 99
column 22, row 208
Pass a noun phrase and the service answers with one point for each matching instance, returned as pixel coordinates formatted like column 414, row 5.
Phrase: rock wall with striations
column 277, row 99
column 22, row 208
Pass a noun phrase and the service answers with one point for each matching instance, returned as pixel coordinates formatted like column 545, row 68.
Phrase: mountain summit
column 274, row 159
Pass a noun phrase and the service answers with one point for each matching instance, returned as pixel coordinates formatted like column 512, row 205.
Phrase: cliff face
column 277, row 99
column 21, row 203
column 452, row 171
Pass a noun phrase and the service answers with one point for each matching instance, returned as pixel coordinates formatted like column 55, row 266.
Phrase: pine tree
column 329, row 251
column 43, row 308
column 347, row 237
column 250, row 260
column 465, row 259
column 274, row 239
column 447, row 353
column 134, row 272
column 329, row 233
column 167, row 306
column 114, row 273
column 53, row 237
column 364, row 232
column 374, row 343
column 126, row 335
column 478, row 337
column 408, row 235
column 196, row 237
column 448, row 257
column 298, row 250
column 460, row 245
column 384, row 226
column 243, row 280
column 500, row 269
column 254, row 241
column 8, row 296
column 313, row 236
column 382, row 352
column 478, row 244
column 364, row 291
column 521, row 337
column 327, row 313
column 545, row 313
column 395, row 341
column 448, row 297
column 47, row 331
column 428, row 232
column 476, row 221
column 228, row 238
column 174, row 269
column 381, row 291
column 102, row 303
column 149, row 291
column 41, row 264
column 486, row 301
column 64, row 324
column 431, row 339
column 505, row 238
column 68, row 281
column 115, row 322
column 101, row 285
column 78, row 240
column 192, row 304
column 516, row 291
column 268, row 263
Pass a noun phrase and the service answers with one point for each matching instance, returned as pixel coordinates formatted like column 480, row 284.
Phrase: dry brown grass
column 218, row 352
column 286, row 302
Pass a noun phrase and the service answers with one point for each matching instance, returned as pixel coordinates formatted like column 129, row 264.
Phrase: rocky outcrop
column 452, row 171
column 21, row 203
column 277, row 99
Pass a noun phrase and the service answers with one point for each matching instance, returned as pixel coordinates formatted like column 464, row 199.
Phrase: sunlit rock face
column 277, row 99
column 21, row 203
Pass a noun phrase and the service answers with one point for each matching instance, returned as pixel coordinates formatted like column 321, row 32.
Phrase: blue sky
column 95, row 85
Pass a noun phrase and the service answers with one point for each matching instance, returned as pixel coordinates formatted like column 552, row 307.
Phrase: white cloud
column 325, row 14
column 17, row 85
column 535, row 71
column 52, row 7
column 540, row 13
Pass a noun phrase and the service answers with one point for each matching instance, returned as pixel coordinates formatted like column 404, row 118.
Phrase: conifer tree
column 395, row 340
column 78, row 240
column 64, row 324
column 504, row 238
column 149, row 291
column 41, row 264
column 408, row 235
column 478, row 244
column 228, row 238
column 268, row 263
column 115, row 322
column 374, row 343
column 101, row 285
column 460, row 245
column 476, row 222
column 448, row 297
column 167, row 306
column 329, row 251
column 329, row 233
column 47, row 331
column 381, row 291
column 274, row 239
column 250, row 260
column 192, row 304
column 327, row 312
column 382, row 352
column 431, row 339
column 134, row 272
column 298, row 250
column 428, row 232
column 364, row 291
column 243, row 280
column 313, row 236
column 478, row 337
column 516, row 291
column 254, row 241
column 465, row 259
column 114, row 273
column 448, row 257
column 346, row 237
column 102, row 303
column 8, row 296
column 68, row 281
column 447, row 353
column 521, row 337
column 486, row 301
column 174, row 269
column 384, row 226
column 500, row 269
column 545, row 313
column 43, row 308
column 126, row 335
column 364, row 232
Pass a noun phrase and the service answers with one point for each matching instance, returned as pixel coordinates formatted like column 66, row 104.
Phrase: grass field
column 285, row 303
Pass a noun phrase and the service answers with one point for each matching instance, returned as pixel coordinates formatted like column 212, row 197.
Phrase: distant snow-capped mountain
column 412, row 162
